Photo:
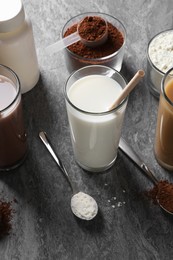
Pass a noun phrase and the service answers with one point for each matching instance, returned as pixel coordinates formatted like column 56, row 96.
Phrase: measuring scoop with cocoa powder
column 163, row 190
column 92, row 31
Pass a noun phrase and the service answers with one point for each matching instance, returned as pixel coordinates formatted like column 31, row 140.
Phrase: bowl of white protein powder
column 159, row 59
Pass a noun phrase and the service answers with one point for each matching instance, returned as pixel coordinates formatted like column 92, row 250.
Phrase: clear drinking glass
column 75, row 62
column 95, row 135
column 158, row 46
column 164, row 131
column 13, row 143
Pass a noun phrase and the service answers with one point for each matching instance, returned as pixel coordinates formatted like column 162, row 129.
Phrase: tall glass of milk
column 95, row 129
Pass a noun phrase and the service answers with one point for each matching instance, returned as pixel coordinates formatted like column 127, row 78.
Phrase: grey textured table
column 43, row 226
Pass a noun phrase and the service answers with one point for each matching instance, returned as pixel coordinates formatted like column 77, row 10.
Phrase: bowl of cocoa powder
column 110, row 53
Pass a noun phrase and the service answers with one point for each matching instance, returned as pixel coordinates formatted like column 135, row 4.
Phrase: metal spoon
column 125, row 147
column 82, row 205
column 75, row 37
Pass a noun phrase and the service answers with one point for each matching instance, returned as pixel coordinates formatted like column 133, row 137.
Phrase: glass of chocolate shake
column 13, row 143
column 164, row 130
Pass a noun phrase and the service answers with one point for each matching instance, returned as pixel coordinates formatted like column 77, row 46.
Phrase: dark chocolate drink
column 13, row 144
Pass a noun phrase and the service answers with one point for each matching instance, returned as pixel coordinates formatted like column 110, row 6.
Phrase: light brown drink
column 164, row 130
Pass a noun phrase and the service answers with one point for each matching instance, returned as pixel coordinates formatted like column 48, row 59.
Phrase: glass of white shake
column 95, row 129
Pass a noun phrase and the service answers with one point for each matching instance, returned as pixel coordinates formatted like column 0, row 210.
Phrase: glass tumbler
column 114, row 60
column 95, row 135
column 164, row 131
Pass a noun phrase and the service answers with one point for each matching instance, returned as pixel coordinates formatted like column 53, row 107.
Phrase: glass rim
column 148, row 57
column 163, row 87
column 102, row 58
column 94, row 113
column 18, row 86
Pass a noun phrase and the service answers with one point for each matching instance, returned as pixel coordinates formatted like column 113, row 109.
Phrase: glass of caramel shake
column 164, row 130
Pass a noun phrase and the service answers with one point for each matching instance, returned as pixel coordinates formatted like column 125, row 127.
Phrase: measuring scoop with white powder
column 82, row 205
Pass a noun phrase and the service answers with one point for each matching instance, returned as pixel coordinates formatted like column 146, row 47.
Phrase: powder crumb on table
column 119, row 204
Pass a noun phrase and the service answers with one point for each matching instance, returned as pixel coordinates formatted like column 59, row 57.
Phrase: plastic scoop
column 77, row 36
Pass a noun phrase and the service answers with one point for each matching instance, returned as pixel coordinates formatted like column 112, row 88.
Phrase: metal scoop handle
column 125, row 147
column 44, row 139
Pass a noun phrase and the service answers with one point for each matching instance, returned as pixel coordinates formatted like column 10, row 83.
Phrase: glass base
column 12, row 167
column 154, row 92
column 164, row 165
column 98, row 169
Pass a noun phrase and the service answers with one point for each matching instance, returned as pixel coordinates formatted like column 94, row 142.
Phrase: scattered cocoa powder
column 92, row 28
column 114, row 42
column 163, row 192
column 5, row 218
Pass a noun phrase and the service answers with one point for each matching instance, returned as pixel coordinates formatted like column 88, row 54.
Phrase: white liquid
column 95, row 137
column 94, row 93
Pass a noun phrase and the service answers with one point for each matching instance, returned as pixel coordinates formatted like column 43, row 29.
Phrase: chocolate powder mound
column 114, row 43
column 163, row 192
column 5, row 218
column 92, row 28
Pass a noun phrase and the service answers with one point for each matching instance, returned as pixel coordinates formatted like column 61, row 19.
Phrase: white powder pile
column 84, row 206
column 161, row 51
column 161, row 55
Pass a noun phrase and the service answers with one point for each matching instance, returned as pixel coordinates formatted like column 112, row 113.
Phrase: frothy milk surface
column 7, row 92
column 95, row 137
column 94, row 93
